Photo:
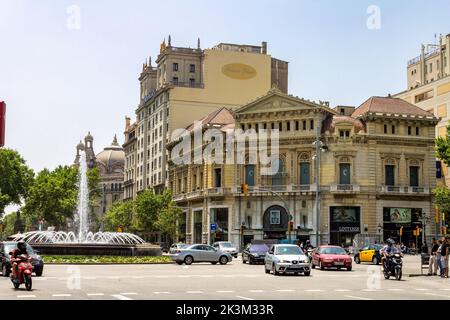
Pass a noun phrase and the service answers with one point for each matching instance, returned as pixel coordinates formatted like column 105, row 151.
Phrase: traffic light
column 244, row 189
column 290, row 226
column 401, row 231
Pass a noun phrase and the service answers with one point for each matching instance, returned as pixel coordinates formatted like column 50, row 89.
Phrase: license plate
column 337, row 263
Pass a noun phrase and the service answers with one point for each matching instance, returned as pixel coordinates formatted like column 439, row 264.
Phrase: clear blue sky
column 60, row 83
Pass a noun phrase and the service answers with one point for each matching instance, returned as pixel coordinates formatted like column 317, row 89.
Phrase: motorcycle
column 393, row 266
column 24, row 270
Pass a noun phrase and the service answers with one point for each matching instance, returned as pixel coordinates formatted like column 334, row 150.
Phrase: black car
column 254, row 253
column 7, row 247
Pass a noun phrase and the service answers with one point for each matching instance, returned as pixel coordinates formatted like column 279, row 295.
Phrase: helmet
column 21, row 245
column 390, row 241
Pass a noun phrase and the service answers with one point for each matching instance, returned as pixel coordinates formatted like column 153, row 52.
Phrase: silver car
column 200, row 253
column 286, row 258
column 226, row 246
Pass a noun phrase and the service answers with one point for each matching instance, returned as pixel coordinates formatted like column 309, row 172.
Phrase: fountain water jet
column 84, row 241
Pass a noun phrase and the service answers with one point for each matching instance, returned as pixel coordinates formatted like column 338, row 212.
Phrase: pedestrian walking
column 439, row 258
column 433, row 264
column 444, row 255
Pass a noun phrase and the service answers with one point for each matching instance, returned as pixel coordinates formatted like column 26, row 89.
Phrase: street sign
column 213, row 226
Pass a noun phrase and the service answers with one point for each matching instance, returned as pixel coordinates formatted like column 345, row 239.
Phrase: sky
column 69, row 67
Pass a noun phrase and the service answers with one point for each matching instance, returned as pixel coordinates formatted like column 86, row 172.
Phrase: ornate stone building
column 110, row 163
column 376, row 170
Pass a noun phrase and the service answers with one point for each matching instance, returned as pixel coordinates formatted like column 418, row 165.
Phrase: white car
column 226, row 246
column 286, row 258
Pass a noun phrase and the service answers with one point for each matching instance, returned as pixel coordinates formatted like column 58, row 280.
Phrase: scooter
column 24, row 270
column 393, row 266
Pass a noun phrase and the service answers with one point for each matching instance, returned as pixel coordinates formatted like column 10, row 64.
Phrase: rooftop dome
column 112, row 157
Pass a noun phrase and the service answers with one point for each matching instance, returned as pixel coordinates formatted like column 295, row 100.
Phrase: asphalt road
column 228, row 282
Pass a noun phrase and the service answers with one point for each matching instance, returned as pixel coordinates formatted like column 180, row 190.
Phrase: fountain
column 86, row 242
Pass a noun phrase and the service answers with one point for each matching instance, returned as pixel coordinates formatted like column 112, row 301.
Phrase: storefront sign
column 345, row 219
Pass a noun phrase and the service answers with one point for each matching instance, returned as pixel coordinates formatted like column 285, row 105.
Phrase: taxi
column 370, row 253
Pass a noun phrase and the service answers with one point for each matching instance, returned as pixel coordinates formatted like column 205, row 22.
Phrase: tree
column 147, row 205
column 168, row 216
column 442, row 194
column 53, row 196
column 120, row 214
column 15, row 178
column 442, row 200
column 8, row 222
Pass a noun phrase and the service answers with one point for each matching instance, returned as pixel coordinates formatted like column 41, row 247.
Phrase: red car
column 331, row 257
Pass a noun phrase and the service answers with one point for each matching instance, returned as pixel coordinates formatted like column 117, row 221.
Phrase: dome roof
column 112, row 157
column 89, row 136
column 80, row 146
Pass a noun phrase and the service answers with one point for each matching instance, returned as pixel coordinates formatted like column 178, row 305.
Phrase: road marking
column 255, row 291
column 61, row 295
column 369, row 290
column 396, row 289
column 422, row 289
column 184, row 276
column 161, row 292
column 194, row 292
column 355, row 297
column 113, row 277
column 95, row 294
column 438, row 295
column 285, row 290
column 162, row 277
column 128, row 293
column 89, row 278
column 137, row 277
column 314, row 290
column 206, row 276
column 27, row 296
column 120, row 297
column 225, row 291
column 229, row 276
column 244, row 298
column 447, row 289
column 342, row 290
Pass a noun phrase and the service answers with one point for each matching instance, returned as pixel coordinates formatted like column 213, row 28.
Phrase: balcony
column 179, row 197
column 404, row 190
column 194, row 194
column 344, row 188
column 258, row 190
column 196, row 85
column 128, row 182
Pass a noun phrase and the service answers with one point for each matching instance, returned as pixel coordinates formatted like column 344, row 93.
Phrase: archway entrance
column 275, row 222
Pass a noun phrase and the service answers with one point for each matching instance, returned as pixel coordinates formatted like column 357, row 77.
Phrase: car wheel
column 223, row 260
column 307, row 273
column 313, row 266
column 213, row 262
column 321, row 266
column 274, row 270
column 6, row 270
column 39, row 273
column 349, row 269
column 266, row 270
column 375, row 260
column 339, row 268
column 180, row 262
column 250, row 261
column 188, row 260
column 357, row 260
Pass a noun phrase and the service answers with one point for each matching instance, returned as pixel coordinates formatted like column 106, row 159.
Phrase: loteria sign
column 2, row 123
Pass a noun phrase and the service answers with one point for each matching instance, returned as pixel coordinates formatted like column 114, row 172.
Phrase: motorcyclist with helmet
column 387, row 250
column 15, row 257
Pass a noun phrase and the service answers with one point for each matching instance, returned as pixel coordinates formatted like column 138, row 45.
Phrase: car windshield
column 258, row 248
column 226, row 245
column 182, row 246
column 333, row 250
column 287, row 250
column 9, row 247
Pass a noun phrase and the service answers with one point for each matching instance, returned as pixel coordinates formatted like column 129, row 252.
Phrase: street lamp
column 380, row 227
column 320, row 147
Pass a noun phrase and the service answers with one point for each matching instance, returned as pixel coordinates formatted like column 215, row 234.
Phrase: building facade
column 428, row 80
column 110, row 164
column 376, row 170
column 187, row 84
